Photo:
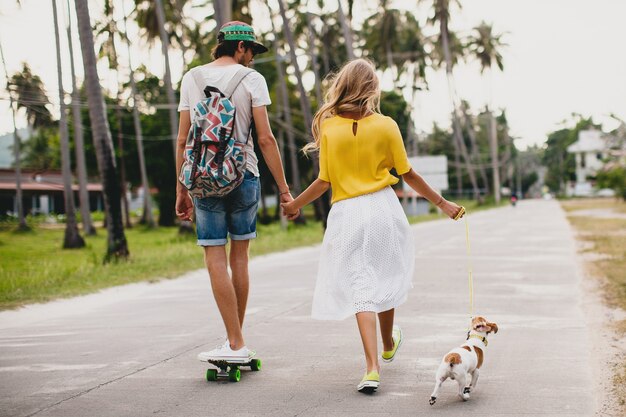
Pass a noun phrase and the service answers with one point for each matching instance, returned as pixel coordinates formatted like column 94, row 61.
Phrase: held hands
column 184, row 206
column 289, row 208
column 451, row 209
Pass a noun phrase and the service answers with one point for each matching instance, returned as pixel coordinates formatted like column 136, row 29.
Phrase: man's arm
column 270, row 151
column 184, row 205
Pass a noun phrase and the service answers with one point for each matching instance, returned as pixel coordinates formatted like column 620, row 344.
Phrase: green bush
column 615, row 179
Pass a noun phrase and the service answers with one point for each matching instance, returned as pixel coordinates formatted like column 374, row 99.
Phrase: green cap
column 240, row 31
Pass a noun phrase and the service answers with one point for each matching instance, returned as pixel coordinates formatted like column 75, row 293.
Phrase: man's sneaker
column 369, row 383
column 397, row 341
column 225, row 353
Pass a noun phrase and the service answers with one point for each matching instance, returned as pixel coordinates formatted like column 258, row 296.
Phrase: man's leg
column 224, row 293
column 241, row 278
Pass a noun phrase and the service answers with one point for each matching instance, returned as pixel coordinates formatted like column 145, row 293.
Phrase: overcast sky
column 564, row 57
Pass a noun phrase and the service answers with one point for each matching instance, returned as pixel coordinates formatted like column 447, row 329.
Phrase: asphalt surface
column 131, row 351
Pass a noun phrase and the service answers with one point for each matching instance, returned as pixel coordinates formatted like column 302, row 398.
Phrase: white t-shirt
column 251, row 92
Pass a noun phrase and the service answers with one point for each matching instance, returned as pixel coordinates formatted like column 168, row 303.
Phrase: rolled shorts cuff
column 247, row 236
column 211, row 242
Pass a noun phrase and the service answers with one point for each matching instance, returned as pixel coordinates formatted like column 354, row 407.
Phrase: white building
column 590, row 150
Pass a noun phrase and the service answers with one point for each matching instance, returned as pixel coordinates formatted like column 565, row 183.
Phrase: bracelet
column 440, row 201
column 286, row 192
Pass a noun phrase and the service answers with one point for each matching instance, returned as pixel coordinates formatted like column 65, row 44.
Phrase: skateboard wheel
column 211, row 374
column 255, row 364
column 234, row 375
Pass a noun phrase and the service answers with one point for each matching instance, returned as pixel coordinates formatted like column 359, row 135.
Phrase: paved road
column 131, row 351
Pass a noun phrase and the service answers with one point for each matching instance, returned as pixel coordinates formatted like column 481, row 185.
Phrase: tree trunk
column 79, row 141
column 185, row 226
column 147, row 218
column 22, row 226
column 285, row 114
column 72, row 239
column 457, row 167
column 313, row 57
column 506, row 169
column 474, row 154
column 279, row 211
column 493, row 142
column 120, row 148
column 347, row 31
column 455, row 117
column 171, row 97
column 117, row 246
column 223, row 11
column 321, row 211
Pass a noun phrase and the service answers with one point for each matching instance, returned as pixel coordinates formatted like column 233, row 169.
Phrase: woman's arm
column 312, row 193
column 417, row 183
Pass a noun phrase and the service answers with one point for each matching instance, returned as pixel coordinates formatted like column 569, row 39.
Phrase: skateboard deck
column 230, row 368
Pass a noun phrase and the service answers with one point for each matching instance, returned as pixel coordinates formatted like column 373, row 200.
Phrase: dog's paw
column 432, row 400
column 465, row 396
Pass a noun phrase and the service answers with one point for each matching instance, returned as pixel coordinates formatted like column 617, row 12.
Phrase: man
column 234, row 214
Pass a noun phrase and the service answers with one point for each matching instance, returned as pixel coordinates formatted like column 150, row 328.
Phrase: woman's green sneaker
column 397, row 341
column 369, row 383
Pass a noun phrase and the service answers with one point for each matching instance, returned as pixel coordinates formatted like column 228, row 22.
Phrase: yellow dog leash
column 469, row 262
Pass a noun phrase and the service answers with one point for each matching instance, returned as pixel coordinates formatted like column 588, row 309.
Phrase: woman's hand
column 290, row 210
column 451, row 209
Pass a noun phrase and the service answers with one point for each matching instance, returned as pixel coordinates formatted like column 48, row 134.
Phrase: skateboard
column 230, row 368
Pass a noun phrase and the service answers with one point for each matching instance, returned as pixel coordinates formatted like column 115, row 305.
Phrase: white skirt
column 367, row 257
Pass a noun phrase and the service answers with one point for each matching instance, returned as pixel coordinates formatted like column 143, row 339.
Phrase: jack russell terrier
column 466, row 360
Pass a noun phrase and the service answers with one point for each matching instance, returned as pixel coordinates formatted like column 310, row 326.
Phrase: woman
column 367, row 257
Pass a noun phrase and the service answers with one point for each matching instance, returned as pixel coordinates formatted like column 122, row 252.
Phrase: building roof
column 39, row 181
column 588, row 141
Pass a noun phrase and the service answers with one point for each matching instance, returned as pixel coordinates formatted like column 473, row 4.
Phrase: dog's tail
column 452, row 359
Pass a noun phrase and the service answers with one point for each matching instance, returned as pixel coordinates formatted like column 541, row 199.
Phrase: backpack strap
column 236, row 80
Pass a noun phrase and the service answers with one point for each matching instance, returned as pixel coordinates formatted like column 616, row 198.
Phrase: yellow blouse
column 359, row 164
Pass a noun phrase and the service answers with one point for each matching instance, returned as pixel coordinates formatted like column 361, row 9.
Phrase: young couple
column 367, row 256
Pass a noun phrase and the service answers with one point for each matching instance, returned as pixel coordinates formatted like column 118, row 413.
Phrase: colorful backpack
column 214, row 161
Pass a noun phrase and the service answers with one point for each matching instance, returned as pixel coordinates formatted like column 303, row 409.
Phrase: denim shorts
column 234, row 214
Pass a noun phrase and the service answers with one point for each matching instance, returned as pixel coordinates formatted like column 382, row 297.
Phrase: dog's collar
column 477, row 336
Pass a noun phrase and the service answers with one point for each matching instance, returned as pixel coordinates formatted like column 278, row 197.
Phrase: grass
column 34, row 268
column 607, row 237
column 472, row 206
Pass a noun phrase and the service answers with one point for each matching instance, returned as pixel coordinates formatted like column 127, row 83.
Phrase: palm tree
column 22, row 226
column 30, row 94
column 286, row 116
column 394, row 40
column 321, row 211
column 147, row 217
column 117, row 246
column 72, row 238
column 313, row 57
column 382, row 36
column 79, row 141
column 485, row 45
column 223, row 11
column 475, row 154
column 152, row 18
column 442, row 18
column 344, row 21
column 108, row 49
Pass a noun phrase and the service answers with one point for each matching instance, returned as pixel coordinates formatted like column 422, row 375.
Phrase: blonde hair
column 354, row 89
